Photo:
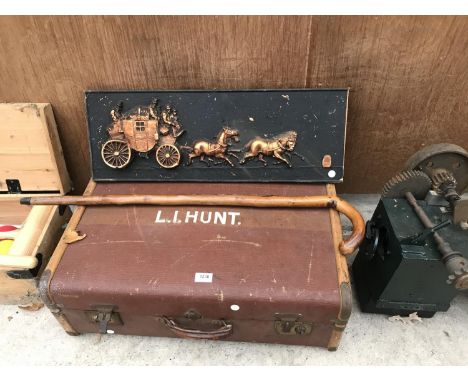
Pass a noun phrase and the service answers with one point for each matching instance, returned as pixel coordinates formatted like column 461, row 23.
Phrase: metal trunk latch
column 291, row 325
column 13, row 186
column 104, row 315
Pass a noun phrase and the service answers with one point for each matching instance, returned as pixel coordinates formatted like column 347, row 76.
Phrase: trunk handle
column 216, row 334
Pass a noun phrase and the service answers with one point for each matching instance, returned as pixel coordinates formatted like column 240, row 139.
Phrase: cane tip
column 26, row 201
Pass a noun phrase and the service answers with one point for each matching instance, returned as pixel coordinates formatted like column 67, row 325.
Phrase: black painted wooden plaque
column 218, row 136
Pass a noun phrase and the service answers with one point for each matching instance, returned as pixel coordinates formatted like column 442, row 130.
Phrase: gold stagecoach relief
column 142, row 129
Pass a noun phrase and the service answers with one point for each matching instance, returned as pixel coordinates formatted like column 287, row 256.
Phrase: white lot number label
column 203, row 277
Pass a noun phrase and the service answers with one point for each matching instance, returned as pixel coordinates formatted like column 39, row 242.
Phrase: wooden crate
column 30, row 156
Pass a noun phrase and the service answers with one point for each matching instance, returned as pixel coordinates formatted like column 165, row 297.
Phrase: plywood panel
column 407, row 74
column 30, row 150
column 409, row 87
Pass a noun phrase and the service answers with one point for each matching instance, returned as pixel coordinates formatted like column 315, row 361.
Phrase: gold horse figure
column 276, row 146
column 218, row 149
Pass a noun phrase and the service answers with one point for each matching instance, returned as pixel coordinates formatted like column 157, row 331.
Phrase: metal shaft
column 441, row 243
column 455, row 263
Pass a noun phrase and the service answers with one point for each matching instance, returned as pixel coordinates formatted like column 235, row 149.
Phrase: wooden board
column 18, row 292
column 24, row 291
column 12, row 212
column 314, row 121
column 407, row 75
column 30, row 150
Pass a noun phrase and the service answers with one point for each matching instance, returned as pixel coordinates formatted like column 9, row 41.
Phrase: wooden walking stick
column 347, row 246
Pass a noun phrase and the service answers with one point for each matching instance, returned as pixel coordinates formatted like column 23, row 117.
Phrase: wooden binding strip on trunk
column 346, row 247
column 44, row 282
column 346, row 296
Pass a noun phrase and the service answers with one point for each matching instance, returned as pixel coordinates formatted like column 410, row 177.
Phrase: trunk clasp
column 291, row 325
column 104, row 315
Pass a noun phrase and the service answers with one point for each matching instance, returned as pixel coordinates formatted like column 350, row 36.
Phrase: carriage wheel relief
column 116, row 153
column 168, row 156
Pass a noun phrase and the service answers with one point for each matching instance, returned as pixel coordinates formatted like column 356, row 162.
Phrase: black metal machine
column 415, row 254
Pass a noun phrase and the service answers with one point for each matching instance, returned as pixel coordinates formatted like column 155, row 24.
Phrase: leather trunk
column 269, row 275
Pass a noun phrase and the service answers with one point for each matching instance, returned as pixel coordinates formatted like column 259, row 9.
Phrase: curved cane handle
column 215, row 334
column 350, row 244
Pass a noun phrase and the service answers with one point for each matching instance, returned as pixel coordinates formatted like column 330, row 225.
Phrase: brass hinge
column 291, row 325
column 104, row 315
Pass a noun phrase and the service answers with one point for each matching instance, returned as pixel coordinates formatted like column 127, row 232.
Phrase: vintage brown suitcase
column 243, row 274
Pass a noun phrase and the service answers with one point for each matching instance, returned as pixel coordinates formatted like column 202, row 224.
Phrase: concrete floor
column 35, row 338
